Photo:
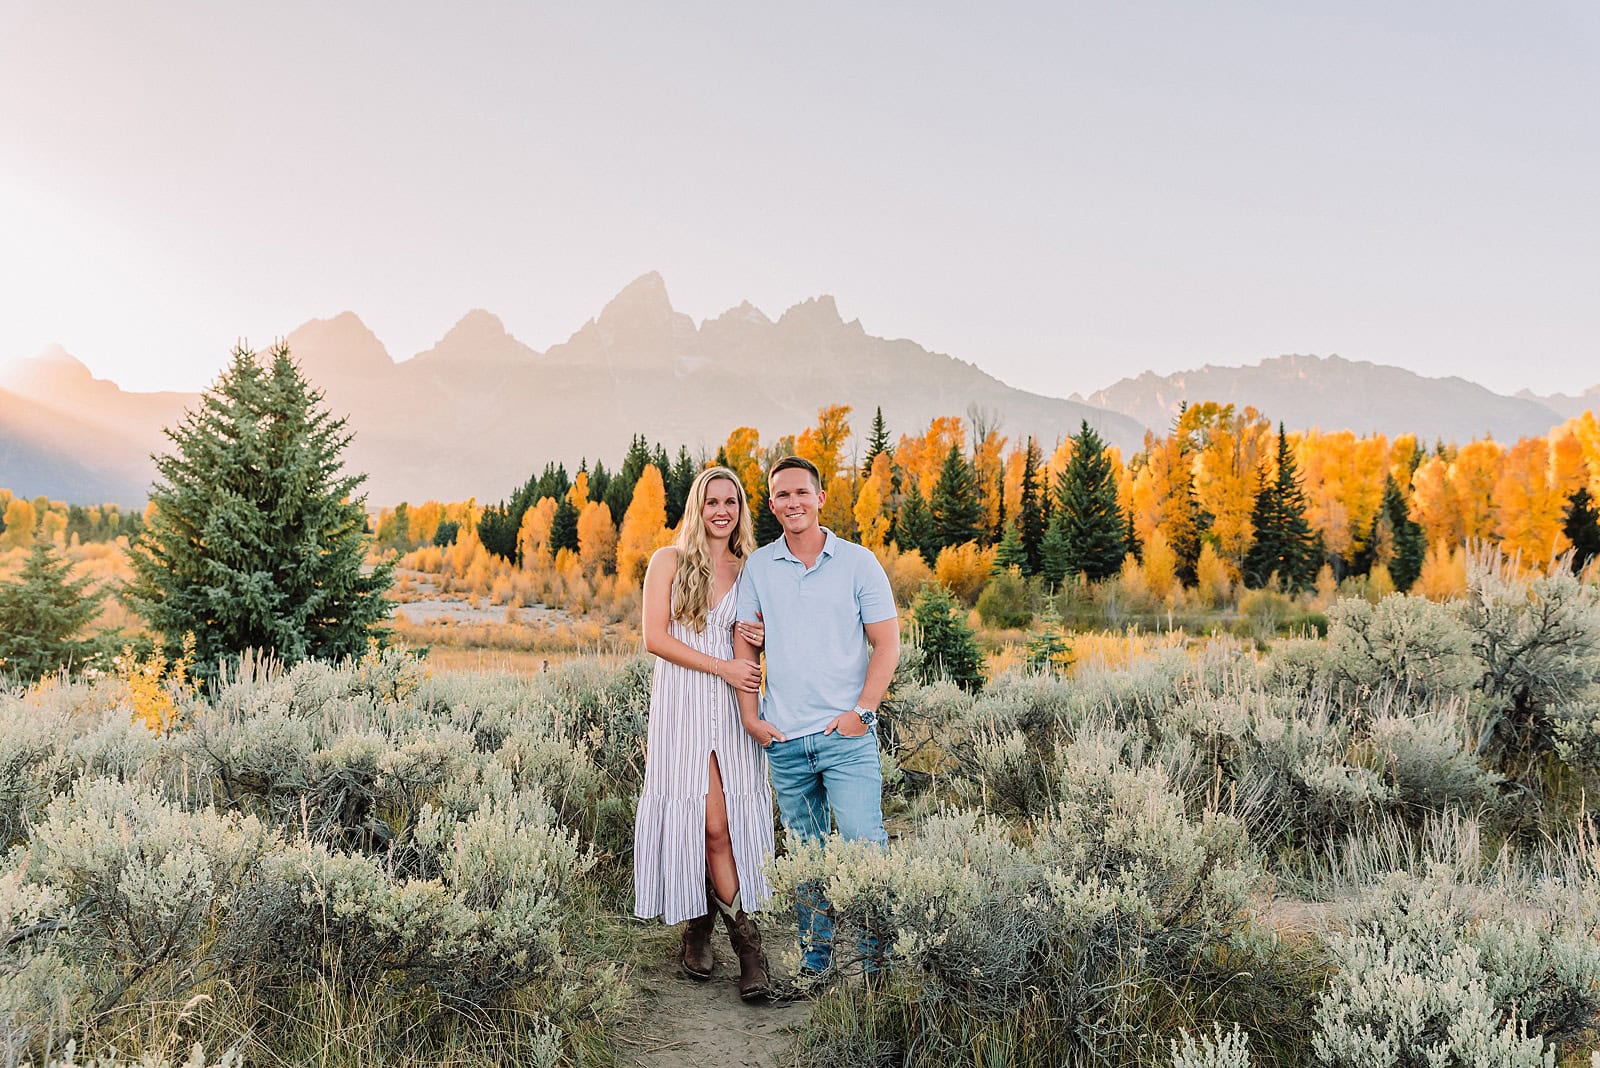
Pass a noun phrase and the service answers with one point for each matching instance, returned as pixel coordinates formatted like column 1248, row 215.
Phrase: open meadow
column 1367, row 847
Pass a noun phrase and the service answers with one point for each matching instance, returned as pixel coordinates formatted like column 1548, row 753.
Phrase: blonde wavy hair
column 692, row 582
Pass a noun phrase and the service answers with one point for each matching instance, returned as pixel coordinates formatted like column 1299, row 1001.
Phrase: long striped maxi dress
column 692, row 715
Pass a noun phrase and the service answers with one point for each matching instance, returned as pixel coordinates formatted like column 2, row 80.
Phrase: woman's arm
column 740, row 674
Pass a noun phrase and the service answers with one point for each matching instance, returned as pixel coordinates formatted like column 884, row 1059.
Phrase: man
column 832, row 643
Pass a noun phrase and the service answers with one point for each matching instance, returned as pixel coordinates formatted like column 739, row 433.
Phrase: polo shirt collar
column 827, row 546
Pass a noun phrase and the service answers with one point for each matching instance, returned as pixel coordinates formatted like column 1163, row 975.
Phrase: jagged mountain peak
column 341, row 346
column 817, row 311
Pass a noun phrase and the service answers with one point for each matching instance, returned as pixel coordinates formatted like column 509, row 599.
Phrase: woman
column 704, row 825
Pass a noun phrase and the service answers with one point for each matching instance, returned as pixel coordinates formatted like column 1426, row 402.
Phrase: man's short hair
column 800, row 462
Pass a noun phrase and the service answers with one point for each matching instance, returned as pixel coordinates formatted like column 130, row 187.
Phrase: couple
column 822, row 608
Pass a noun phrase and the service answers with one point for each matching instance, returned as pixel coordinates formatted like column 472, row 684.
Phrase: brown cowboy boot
column 695, row 955
column 746, row 939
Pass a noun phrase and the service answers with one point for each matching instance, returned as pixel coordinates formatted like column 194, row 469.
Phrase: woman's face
column 721, row 510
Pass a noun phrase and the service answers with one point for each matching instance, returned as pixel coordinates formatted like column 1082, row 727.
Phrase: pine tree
column 619, row 490
column 915, row 528
column 1283, row 543
column 42, row 613
column 599, row 482
column 256, row 539
column 678, row 483
column 1031, row 520
column 1582, row 528
column 1048, row 650
column 957, row 511
column 564, row 527
column 878, row 442
column 1093, row 528
column 1054, row 557
column 949, row 648
column 1410, row 542
column 1010, row 553
column 1000, row 508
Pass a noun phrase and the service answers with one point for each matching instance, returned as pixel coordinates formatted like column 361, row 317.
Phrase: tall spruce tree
column 43, row 613
column 878, row 442
column 949, row 648
column 957, row 511
column 1093, row 529
column 1409, row 542
column 915, row 529
column 256, row 540
column 564, row 526
column 1000, row 509
column 677, row 485
column 1031, row 510
column 1053, row 554
column 1582, row 528
column 1009, row 552
column 619, row 490
column 1283, row 544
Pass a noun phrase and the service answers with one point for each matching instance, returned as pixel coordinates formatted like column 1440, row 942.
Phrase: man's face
column 795, row 500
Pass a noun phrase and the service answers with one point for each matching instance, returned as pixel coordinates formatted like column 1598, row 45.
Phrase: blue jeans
column 822, row 780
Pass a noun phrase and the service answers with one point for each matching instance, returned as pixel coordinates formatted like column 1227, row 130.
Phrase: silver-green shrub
column 1404, row 645
column 1433, row 972
column 1214, row 1049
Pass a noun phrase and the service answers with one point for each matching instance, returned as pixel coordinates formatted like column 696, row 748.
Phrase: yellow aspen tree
column 1444, row 572
column 1473, row 475
column 871, row 507
column 1213, row 578
column 987, row 467
column 871, row 524
column 1568, row 473
column 742, row 450
column 838, row 511
column 1404, row 456
column 1227, row 471
column 823, row 444
column 21, row 518
column 533, row 536
column 964, row 569
column 1529, row 510
column 53, row 527
column 1433, row 505
column 578, row 492
column 1160, row 568
column 921, row 457
column 597, row 538
column 644, row 528
column 423, row 522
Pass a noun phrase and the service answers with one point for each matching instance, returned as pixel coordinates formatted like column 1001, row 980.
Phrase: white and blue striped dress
column 692, row 715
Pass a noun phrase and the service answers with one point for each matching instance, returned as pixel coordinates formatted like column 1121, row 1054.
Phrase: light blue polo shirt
column 817, row 651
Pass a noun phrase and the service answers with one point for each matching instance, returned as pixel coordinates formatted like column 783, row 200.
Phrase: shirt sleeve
column 748, row 602
column 873, row 595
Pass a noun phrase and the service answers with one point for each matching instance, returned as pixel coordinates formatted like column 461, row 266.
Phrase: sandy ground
column 432, row 604
column 688, row 1024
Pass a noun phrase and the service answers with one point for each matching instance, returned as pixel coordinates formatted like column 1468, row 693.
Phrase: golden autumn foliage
column 1159, row 569
column 21, row 521
column 921, row 457
column 872, row 502
column 908, row 572
column 963, row 570
column 644, row 528
column 533, row 537
column 597, row 538
column 823, row 444
column 1213, row 578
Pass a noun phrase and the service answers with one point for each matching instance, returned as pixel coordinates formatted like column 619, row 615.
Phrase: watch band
column 869, row 717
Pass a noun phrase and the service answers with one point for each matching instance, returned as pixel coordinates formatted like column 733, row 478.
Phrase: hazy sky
column 1060, row 193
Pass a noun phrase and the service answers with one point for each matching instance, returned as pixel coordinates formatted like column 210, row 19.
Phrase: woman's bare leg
column 719, row 843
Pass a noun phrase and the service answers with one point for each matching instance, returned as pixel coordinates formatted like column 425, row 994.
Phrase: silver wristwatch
column 869, row 718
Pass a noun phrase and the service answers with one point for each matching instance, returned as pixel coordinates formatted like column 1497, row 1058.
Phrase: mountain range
column 480, row 411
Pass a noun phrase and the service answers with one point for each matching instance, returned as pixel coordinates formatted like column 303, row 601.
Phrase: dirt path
column 705, row 1025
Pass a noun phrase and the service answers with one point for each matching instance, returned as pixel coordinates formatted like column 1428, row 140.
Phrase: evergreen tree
column 1409, row 541
column 564, row 526
column 552, row 482
column 1054, row 556
column 1283, row 543
column 42, row 613
column 447, row 532
column 1010, row 553
column 678, row 483
column 599, row 482
column 878, row 442
column 1582, row 528
column 619, row 492
column 1031, row 519
column 1048, row 649
column 916, row 529
column 1093, row 528
column 256, row 538
column 1000, row 509
column 949, row 648
column 957, row 512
